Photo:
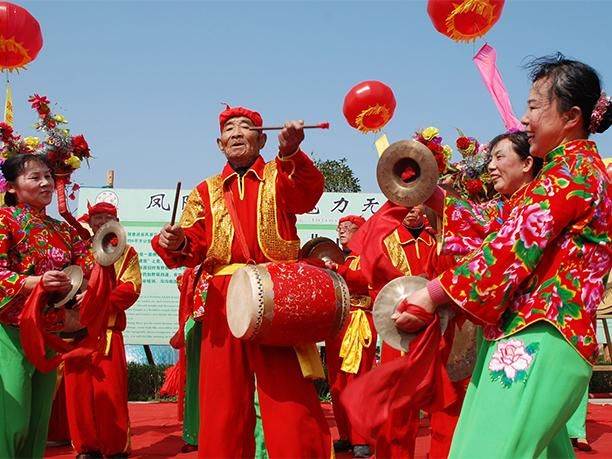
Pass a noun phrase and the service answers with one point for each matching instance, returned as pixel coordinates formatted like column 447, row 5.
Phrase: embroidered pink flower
column 511, row 357
column 537, row 225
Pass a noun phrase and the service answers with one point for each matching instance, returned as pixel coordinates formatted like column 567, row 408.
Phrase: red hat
column 102, row 208
column 354, row 219
column 234, row 112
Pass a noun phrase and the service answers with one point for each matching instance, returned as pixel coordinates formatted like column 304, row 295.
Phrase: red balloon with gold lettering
column 20, row 37
column 464, row 20
column 369, row 105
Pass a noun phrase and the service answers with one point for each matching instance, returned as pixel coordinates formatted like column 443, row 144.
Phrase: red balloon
column 464, row 20
column 20, row 37
column 369, row 105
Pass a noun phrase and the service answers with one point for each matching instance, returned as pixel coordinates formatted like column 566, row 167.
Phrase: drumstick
column 176, row 200
column 277, row 128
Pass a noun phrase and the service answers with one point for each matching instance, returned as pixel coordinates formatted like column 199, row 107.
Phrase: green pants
column 520, row 397
column 260, row 444
column 576, row 425
column 26, row 397
column 191, row 414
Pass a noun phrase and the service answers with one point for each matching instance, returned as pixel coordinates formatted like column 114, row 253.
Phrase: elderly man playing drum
column 96, row 400
column 247, row 214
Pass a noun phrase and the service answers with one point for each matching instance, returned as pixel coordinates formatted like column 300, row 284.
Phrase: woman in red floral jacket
column 536, row 281
column 33, row 248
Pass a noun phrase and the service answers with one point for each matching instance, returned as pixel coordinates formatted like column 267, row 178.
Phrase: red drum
column 285, row 304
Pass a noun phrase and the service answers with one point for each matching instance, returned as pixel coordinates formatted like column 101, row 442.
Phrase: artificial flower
column 473, row 185
column 73, row 162
column 448, row 152
column 430, row 132
column 463, row 143
column 32, row 142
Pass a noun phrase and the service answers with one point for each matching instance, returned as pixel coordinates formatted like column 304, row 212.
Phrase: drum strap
column 231, row 209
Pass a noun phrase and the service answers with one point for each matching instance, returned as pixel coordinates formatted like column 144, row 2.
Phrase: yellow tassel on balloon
column 8, row 106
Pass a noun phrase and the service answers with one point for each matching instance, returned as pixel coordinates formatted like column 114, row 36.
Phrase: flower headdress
column 12, row 144
column 431, row 139
column 63, row 151
column 470, row 176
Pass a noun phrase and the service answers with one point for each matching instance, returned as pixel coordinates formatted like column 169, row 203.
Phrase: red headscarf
column 101, row 208
column 234, row 112
column 354, row 219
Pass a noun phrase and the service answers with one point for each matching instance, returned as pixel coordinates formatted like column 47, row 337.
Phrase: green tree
column 338, row 175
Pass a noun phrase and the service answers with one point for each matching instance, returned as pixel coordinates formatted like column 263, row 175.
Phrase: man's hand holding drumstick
column 291, row 135
column 172, row 235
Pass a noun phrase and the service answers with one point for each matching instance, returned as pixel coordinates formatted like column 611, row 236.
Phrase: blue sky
column 144, row 80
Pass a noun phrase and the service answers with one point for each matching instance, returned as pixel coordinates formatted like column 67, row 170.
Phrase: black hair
column 573, row 83
column 14, row 166
column 520, row 145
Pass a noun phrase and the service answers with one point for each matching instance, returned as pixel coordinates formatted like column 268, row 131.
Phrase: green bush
column 144, row 381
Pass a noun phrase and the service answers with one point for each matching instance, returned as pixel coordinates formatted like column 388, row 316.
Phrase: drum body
column 285, row 304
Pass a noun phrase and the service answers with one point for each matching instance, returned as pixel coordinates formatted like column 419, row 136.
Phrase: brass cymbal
column 322, row 248
column 386, row 302
column 75, row 273
column 104, row 249
column 394, row 160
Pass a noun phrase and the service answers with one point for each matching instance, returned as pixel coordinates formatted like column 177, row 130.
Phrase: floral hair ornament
column 470, row 176
column 601, row 107
column 64, row 153
column 12, row 144
column 431, row 139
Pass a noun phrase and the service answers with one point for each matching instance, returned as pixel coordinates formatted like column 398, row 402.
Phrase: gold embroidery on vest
column 194, row 209
column 397, row 254
column 129, row 272
column 273, row 246
column 220, row 251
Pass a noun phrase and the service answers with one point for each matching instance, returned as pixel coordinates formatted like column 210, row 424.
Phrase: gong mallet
column 278, row 128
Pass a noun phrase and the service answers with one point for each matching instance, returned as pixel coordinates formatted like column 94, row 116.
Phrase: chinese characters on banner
column 153, row 319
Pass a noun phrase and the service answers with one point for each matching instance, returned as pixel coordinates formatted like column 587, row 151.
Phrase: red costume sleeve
column 355, row 280
column 299, row 184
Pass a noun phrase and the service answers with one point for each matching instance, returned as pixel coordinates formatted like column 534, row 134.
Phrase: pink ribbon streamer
column 485, row 61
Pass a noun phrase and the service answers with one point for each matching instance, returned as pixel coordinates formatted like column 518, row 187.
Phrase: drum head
column 75, row 273
column 322, row 248
column 386, row 302
column 394, row 160
column 249, row 303
column 239, row 299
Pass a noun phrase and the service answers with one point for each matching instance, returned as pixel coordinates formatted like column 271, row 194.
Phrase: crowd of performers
column 528, row 268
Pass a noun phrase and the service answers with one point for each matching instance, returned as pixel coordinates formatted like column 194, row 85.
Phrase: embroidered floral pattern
column 511, row 360
column 548, row 258
column 32, row 243
column 199, row 296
